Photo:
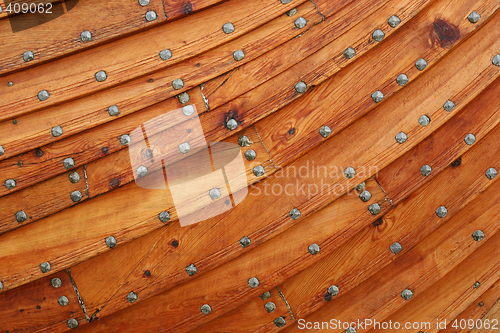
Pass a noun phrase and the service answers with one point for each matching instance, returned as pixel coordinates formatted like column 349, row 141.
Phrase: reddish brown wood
column 178, row 8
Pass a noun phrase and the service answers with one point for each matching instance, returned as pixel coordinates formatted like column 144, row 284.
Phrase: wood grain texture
column 33, row 130
column 492, row 316
column 231, row 289
column 72, row 77
column 178, row 8
column 61, row 35
column 420, row 267
column 64, row 239
column 35, row 308
column 477, row 309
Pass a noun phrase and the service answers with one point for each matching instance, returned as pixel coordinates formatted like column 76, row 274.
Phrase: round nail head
column 178, row 84
column 407, row 294
column 253, row 282
column 402, row 79
column 164, row 216
column 228, row 28
column 401, row 137
column 425, row 170
column 101, row 76
column 232, row 124
column 244, row 241
column 393, row 21
column 374, row 209
column 110, row 242
column 239, row 55
column 259, row 171
column 250, row 155
column 491, row 173
column 325, row 131
column 43, row 95
column 295, row 213
column 349, row 53
column 396, row 248
column 314, row 249
column 21, row 216
column 63, row 301
column 424, row 120
column 474, row 17
column 300, row 22
column 10, row 184
column 301, row 87
column 131, row 297
column 377, row 96
column 470, row 139
column 378, row 35
column 191, row 269
column 86, row 36
column 205, row 309
column 113, row 110
column 441, row 211
column 28, row 56
column 214, row 193
column 349, row 172
column 165, row 54
column 478, row 235
column 449, row 106
column 185, row 147
column 333, row 290
column 151, row 16
column 365, row 196
column 74, row 177
column 421, row 64
column 56, row 282
column 68, row 163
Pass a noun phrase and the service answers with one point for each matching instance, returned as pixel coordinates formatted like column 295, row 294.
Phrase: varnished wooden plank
column 422, row 265
column 493, row 316
column 60, row 34
column 130, row 58
column 477, row 309
column 347, row 97
column 42, row 199
column 178, row 8
column 35, row 307
column 183, row 302
column 440, row 303
column 34, row 130
column 62, row 239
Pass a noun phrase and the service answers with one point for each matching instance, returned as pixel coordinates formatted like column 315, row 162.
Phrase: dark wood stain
column 447, row 34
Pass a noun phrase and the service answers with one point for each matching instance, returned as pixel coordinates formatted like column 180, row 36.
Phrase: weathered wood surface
column 35, row 307
column 72, row 77
column 478, row 308
column 41, row 200
column 418, row 268
column 446, row 298
column 75, row 116
column 60, row 36
column 119, row 214
column 183, row 302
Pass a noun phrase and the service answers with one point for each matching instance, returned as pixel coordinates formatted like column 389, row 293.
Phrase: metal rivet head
column 63, row 301
column 28, row 56
column 491, row 173
column 164, row 216
column 214, row 193
column 165, row 54
column 402, row 79
column 178, row 84
column 349, row 53
column 188, row 110
column 56, row 282
column 253, row 282
column 313, row 249
column 143, row 2
column 350, row 330
column 259, row 171
column 113, row 110
column 110, row 242
column 441, row 211
column 244, row 141
column 244, row 241
column 10, row 83
column 295, row 214
column 270, row 307
column 478, row 235
column 374, row 209
column 349, row 172
column 477, row 284
column 183, row 97
column 449, row 106
column 10, row 184
column 285, row 1
column 45, row 267
column 300, row 22
column 265, row 295
column 205, row 309
column 425, row 170
column 142, row 171
column 184, row 147
column 151, row 16
column 301, row 87
column 291, row 12
column 239, row 55
column 401, row 137
column 325, row 131
column 424, row 120
column 74, row 177
column 76, row 196
column 365, row 196
column 1, row 284
column 333, row 290
column 279, row 322
column 407, row 294
column 57, row 131
column 360, row 187
column 69, row 163
column 72, row 323
column 250, row 155
column 377, row 96
column 21, row 216
column 101, row 76
column 474, row 17
column 191, row 270
column 378, row 35
column 232, row 124
column 421, row 64
column 396, row 248
column 496, row 60
column 131, row 297
column 228, row 28
column 125, row 139
column 470, row 139
column 86, row 36
column 394, row 21
column 43, row 95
